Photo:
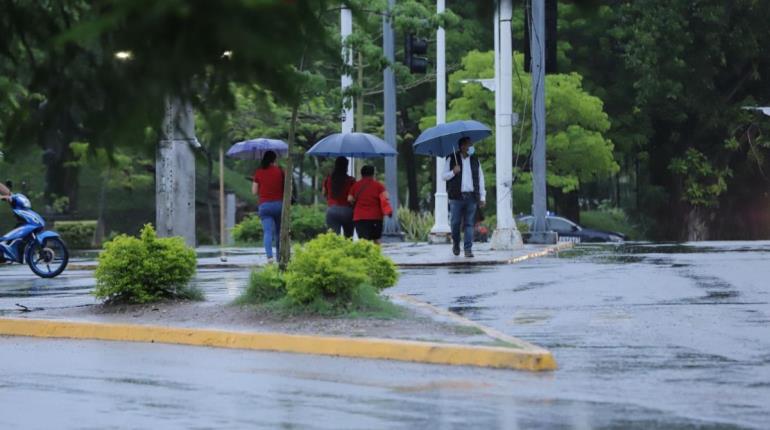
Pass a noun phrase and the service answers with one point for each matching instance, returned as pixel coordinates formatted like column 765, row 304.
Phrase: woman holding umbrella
column 336, row 188
column 268, row 185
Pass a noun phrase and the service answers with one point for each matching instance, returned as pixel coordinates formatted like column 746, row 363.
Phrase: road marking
column 389, row 349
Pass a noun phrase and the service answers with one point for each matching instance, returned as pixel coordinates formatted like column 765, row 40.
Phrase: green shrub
column 264, row 285
column 145, row 269
column 77, row 234
column 415, row 225
column 307, row 222
column 331, row 268
column 249, row 230
column 380, row 269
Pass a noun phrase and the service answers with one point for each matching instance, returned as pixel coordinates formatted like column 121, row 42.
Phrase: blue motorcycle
column 44, row 251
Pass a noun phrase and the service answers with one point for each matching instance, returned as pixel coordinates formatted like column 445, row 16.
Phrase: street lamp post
column 506, row 235
column 441, row 232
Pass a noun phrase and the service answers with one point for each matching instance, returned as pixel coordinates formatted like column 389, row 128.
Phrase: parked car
column 571, row 231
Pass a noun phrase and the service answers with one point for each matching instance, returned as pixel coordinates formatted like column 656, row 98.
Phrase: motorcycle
column 43, row 250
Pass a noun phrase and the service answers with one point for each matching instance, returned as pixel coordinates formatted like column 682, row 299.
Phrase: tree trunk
column 566, row 204
column 407, row 155
column 284, row 236
column 100, row 228
column 697, row 224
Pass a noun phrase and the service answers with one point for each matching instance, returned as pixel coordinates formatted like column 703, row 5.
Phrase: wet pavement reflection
column 677, row 328
column 673, row 336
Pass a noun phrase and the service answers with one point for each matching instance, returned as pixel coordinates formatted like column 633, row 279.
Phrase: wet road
column 646, row 337
column 683, row 330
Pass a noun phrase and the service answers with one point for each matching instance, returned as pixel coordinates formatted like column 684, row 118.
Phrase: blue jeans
column 270, row 214
column 463, row 212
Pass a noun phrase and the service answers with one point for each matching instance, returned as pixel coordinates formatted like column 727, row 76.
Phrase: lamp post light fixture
column 124, row 55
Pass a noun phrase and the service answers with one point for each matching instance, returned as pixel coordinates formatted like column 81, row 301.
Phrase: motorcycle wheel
column 48, row 260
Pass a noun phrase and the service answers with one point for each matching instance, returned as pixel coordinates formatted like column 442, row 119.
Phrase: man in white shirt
column 465, row 187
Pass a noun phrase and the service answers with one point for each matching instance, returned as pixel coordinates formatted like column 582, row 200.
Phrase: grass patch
column 611, row 220
column 468, row 330
column 364, row 303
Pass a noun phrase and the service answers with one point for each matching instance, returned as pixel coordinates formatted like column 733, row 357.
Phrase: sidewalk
column 404, row 254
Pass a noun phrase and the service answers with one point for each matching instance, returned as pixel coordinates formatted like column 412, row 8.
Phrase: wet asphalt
column 646, row 336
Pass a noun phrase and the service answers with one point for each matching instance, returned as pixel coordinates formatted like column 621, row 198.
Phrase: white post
column 440, row 233
column 506, row 235
column 346, row 29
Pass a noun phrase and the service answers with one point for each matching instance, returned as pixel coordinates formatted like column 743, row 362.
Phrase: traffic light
column 414, row 50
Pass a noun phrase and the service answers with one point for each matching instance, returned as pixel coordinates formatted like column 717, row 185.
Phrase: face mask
column 471, row 151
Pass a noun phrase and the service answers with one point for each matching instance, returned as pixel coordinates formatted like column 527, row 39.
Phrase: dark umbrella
column 358, row 145
column 441, row 140
column 255, row 149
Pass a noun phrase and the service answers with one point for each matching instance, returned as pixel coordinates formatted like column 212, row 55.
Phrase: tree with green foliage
column 577, row 150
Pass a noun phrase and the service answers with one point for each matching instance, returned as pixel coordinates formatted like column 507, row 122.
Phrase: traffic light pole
column 539, row 232
column 391, row 228
column 441, row 232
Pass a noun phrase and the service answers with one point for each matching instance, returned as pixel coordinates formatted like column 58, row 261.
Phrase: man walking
column 465, row 186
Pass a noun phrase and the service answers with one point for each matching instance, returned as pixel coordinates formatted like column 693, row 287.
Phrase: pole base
column 439, row 238
column 543, row 237
column 392, row 237
column 506, row 239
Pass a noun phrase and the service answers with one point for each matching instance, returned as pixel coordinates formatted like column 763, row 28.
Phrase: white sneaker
column 270, row 260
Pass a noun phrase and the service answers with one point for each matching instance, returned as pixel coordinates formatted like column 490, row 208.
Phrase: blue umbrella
column 441, row 140
column 254, row 149
column 358, row 145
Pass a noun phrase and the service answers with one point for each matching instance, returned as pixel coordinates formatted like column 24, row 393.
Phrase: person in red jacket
column 268, row 185
column 336, row 187
column 366, row 196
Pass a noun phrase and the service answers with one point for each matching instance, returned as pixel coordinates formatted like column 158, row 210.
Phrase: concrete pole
column 222, row 204
column 506, row 235
column 391, row 227
column 537, row 48
column 441, row 232
column 175, row 172
column 348, row 121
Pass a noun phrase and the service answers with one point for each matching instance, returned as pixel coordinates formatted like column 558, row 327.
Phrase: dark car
column 571, row 231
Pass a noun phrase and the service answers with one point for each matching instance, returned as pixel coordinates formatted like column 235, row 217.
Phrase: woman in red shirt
column 336, row 188
column 268, row 185
column 365, row 195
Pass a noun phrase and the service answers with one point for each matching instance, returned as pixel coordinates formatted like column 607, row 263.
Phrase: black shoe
column 456, row 249
column 469, row 253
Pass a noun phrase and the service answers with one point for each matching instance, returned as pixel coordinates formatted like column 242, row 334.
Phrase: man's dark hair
column 367, row 170
column 464, row 139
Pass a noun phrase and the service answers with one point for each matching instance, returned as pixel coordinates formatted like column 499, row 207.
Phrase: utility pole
column 506, row 235
column 391, row 228
column 441, row 232
column 175, row 172
column 539, row 199
column 346, row 29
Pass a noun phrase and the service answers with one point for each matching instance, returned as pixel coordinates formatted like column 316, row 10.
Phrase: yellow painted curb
column 401, row 350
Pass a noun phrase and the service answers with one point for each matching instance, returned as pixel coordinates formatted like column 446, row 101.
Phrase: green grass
column 365, row 303
column 610, row 220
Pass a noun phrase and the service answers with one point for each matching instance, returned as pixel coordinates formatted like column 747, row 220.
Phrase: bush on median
column 145, row 269
column 328, row 275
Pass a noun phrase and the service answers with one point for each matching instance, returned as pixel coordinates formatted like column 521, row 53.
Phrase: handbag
column 385, row 205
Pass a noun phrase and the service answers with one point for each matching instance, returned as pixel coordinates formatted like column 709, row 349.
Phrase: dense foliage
column 646, row 111
column 332, row 268
column 145, row 269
